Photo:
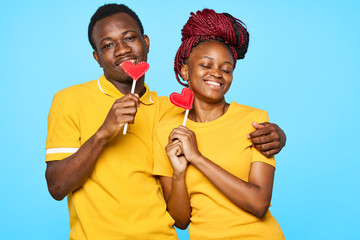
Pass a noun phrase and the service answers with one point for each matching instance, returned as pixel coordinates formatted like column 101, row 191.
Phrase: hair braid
column 206, row 25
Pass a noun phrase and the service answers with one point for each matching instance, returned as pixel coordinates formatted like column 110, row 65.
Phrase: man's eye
column 109, row 45
column 129, row 39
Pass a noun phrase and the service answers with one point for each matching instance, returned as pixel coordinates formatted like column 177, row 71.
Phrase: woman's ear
column 184, row 72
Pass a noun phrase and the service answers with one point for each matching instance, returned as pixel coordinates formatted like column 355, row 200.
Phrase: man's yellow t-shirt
column 223, row 141
column 121, row 199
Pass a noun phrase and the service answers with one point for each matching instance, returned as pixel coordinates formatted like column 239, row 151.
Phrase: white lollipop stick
column 132, row 92
column 186, row 116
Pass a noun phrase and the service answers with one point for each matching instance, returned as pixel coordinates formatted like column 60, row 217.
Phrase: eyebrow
column 124, row 33
column 214, row 59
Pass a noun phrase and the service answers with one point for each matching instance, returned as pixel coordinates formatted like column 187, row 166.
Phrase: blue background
column 302, row 66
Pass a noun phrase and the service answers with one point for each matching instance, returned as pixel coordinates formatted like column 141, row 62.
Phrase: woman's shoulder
column 245, row 108
column 256, row 114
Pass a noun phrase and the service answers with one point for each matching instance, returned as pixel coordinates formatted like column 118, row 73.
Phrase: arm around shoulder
column 268, row 138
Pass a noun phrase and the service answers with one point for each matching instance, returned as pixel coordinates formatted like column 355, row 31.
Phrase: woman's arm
column 176, row 196
column 175, row 191
column 253, row 196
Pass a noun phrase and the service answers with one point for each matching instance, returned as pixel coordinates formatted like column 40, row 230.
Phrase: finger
column 273, row 137
column 129, row 97
column 184, row 128
column 126, row 104
column 174, row 149
column 179, row 150
column 125, row 112
column 175, row 133
column 257, row 125
column 267, row 146
column 125, row 115
column 125, row 119
column 270, row 153
column 171, row 136
column 137, row 99
column 172, row 143
column 181, row 136
column 171, row 147
column 186, row 131
column 260, row 132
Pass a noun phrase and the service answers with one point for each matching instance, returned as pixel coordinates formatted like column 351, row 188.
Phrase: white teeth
column 216, row 84
column 132, row 60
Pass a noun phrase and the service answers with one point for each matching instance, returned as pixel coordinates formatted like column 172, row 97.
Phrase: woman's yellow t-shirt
column 223, row 141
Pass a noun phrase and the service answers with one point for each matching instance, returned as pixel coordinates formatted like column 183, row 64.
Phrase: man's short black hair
column 108, row 10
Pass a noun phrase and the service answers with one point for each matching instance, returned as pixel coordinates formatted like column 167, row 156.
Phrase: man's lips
column 133, row 60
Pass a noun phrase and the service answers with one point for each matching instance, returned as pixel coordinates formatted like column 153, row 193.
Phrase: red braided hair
column 206, row 25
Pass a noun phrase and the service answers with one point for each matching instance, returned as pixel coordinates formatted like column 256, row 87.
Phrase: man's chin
column 122, row 78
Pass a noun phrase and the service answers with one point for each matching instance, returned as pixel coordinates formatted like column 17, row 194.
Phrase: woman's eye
column 227, row 70
column 205, row 66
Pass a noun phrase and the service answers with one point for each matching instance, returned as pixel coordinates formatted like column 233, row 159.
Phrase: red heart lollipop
column 183, row 100
column 135, row 71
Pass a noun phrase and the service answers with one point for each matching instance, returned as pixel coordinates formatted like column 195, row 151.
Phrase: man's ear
column 96, row 56
column 184, row 72
column 147, row 42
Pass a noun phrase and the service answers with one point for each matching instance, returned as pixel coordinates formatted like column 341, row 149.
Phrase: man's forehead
column 118, row 20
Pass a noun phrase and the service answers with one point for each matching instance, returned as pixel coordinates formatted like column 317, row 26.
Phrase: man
column 107, row 176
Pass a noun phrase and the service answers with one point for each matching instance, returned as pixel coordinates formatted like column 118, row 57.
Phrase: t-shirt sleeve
column 262, row 116
column 167, row 109
column 63, row 138
column 162, row 165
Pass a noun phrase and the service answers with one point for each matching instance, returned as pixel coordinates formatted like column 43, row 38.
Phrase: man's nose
column 122, row 49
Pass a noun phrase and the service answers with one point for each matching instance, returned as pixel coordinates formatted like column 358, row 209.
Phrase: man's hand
column 123, row 111
column 268, row 138
column 70, row 173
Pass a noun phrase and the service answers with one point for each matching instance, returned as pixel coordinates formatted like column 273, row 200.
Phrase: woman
column 212, row 177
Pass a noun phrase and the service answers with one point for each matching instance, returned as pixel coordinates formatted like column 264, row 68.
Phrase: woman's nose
column 216, row 73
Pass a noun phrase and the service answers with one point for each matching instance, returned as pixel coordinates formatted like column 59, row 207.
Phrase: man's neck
column 125, row 87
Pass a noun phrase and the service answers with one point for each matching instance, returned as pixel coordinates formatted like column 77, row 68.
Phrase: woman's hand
column 188, row 142
column 176, row 156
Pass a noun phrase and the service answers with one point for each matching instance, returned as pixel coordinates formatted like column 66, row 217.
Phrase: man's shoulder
column 162, row 100
column 77, row 91
column 78, row 88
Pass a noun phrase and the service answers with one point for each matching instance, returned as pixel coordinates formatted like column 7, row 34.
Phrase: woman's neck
column 207, row 112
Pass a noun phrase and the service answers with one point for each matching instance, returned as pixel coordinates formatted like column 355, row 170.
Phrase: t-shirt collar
column 109, row 89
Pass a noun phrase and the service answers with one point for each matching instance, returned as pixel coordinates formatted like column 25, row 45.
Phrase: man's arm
column 70, row 173
column 268, row 138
